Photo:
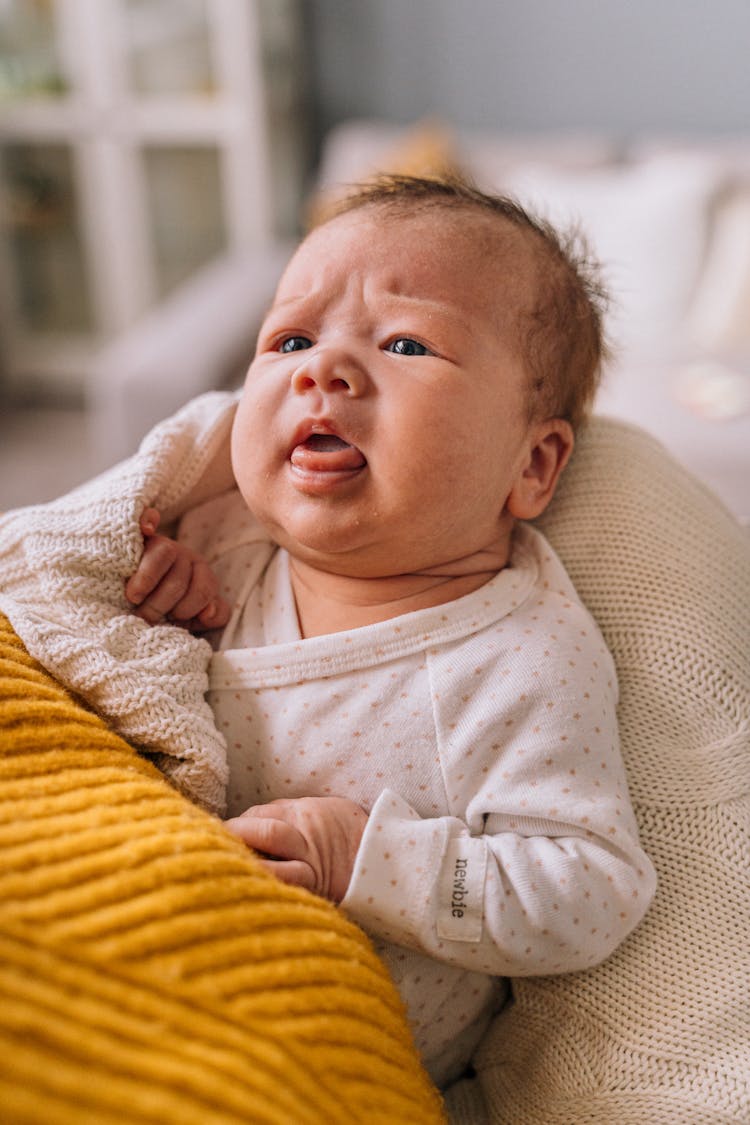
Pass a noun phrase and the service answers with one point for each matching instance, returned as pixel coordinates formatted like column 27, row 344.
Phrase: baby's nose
column 329, row 369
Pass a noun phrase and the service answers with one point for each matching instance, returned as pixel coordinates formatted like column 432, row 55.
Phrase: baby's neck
column 333, row 603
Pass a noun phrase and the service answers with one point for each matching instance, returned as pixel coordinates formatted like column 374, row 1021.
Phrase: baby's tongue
column 327, row 453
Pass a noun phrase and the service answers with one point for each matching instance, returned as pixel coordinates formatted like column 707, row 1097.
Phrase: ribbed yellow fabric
column 150, row 970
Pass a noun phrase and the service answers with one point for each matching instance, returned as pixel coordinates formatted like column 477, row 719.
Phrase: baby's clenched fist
column 309, row 841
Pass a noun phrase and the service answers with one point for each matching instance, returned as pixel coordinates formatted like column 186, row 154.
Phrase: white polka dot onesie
column 481, row 738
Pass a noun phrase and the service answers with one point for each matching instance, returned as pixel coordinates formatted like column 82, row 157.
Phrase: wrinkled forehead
column 457, row 253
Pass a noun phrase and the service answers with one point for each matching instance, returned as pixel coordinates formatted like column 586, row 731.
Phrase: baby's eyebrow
column 415, row 299
column 280, row 304
column 278, row 311
column 434, row 308
column 400, row 300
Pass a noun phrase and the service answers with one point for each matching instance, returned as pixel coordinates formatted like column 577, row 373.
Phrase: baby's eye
column 404, row 345
column 295, row 344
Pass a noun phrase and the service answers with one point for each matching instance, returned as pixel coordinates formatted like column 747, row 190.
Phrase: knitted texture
column 63, row 568
column 150, row 970
column 661, row 1031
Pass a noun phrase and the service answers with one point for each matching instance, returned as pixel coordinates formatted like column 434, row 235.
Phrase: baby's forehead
column 459, row 221
column 439, row 236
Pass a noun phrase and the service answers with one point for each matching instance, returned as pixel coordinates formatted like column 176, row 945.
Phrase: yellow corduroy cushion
column 149, row 969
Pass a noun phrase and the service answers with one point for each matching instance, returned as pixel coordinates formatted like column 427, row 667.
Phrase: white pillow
column 720, row 312
column 490, row 157
column 646, row 222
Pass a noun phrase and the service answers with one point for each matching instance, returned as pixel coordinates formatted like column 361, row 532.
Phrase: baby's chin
column 346, row 562
column 378, row 560
column 325, row 548
column 357, row 541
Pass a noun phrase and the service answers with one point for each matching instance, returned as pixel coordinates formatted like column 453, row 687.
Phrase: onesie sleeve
column 504, row 903
column 537, row 869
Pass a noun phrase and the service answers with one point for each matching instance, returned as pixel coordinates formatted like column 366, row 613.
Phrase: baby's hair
column 562, row 340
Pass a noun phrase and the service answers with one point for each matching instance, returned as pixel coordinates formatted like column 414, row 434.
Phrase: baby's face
column 384, row 417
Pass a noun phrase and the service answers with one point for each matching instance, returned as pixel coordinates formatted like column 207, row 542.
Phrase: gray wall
column 624, row 65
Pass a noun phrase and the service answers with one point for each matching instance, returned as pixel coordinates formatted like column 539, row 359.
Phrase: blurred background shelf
column 141, row 140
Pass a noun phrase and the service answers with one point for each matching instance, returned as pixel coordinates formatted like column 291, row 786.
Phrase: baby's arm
column 171, row 581
column 537, row 869
column 503, row 902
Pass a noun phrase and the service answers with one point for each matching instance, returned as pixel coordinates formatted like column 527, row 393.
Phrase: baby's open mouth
column 327, row 453
column 326, row 443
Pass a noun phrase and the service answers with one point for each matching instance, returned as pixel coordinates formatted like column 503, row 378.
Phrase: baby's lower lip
column 326, row 453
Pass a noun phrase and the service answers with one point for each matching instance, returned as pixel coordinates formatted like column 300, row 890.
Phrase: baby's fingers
column 159, row 556
column 149, row 522
column 294, row 871
column 214, row 616
column 170, row 590
column 271, row 837
column 201, row 601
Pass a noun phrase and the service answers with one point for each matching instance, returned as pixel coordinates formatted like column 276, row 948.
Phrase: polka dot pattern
column 490, row 720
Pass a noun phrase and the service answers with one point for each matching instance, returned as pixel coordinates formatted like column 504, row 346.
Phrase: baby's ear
column 549, row 448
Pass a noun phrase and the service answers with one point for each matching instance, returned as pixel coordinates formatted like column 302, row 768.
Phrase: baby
column 420, row 713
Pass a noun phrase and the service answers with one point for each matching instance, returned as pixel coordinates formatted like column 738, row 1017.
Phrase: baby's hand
column 172, row 581
column 309, row 841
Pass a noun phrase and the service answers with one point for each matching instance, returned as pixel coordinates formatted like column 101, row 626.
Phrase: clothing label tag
column 461, row 910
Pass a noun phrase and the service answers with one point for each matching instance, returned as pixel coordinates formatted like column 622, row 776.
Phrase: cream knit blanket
column 660, row 1033
column 63, row 566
